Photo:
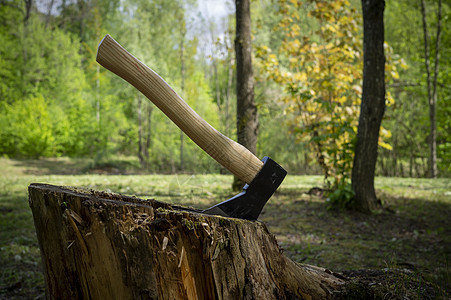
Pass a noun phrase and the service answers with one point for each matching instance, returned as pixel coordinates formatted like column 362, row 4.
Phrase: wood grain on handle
column 233, row 156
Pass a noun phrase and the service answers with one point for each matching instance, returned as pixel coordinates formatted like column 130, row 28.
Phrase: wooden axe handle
column 233, row 156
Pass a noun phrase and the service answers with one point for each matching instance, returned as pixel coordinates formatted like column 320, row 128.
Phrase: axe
column 262, row 177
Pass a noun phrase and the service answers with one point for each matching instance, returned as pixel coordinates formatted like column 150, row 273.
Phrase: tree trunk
column 182, row 75
column 214, row 64
column 149, row 131
column 230, row 64
column 97, row 245
column 28, row 4
column 247, row 121
column 142, row 160
column 372, row 107
column 432, row 86
column 49, row 13
column 98, row 97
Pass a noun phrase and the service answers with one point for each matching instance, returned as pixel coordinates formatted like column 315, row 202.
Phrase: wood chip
column 165, row 242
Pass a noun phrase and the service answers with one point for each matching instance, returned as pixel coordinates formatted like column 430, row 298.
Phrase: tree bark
column 97, row 245
column 372, row 107
column 247, row 120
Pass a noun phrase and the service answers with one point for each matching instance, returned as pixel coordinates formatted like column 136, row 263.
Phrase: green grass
column 412, row 231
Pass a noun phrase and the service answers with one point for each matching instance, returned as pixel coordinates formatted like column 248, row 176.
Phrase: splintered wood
column 106, row 246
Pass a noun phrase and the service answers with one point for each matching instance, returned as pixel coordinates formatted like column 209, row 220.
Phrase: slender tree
column 247, row 120
column 432, row 85
column 28, row 5
column 182, row 76
column 230, row 63
column 141, row 156
column 372, row 106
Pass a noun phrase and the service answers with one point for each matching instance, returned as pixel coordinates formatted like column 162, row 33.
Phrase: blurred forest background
column 55, row 100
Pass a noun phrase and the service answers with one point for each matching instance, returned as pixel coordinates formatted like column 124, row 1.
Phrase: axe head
column 250, row 202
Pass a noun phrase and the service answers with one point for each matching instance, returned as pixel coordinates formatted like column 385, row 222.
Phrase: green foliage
column 320, row 70
column 56, row 100
column 408, row 118
column 27, row 128
column 319, row 64
column 309, row 52
column 52, row 114
column 342, row 196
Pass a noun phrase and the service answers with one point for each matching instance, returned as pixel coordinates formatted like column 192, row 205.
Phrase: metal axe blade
column 250, row 202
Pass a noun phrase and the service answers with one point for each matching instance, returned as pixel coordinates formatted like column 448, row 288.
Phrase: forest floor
column 403, row 250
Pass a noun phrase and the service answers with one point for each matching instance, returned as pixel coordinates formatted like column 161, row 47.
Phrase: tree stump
column 98, row 245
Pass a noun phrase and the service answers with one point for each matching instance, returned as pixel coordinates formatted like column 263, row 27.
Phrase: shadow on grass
column 51, row 166
column 408, row 233
column 72, row 166
column 21, row 273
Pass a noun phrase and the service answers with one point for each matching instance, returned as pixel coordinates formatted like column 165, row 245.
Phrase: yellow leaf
column 295, row 29
column 385, row 145
column 341, row 99
column 394, row 74
column 384, row 133
column 348, row 110
column 389, row 100
column 403, row 65
column 357, row 89
column 300, row 76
